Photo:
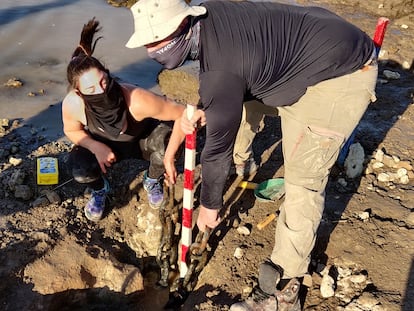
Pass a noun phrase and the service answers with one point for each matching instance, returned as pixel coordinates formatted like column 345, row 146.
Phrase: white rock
column 392, row 75
column 404, row 180
column 327, row 286
column 377, row 165
column 243, row 230
column 363, row 215
column 15, row 161
column 238, row 253
column 406, row 65
column 379, row 155
column 401, row 172
column 404, row 26
column 384, row 177
column 344, row 271
column 354, row 161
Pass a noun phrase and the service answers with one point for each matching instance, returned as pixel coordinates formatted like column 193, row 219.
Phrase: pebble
column 363, row 215
column 15, row 161
column 384, row 177
column 379, row 155
column 243, row 230
column 391, row 75
column 404, row 180
column 377, row 165
column 13, row 82
column 327, row 286
column 238, row 253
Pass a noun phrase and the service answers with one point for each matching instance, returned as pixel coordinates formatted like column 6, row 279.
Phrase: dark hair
column 82, row 59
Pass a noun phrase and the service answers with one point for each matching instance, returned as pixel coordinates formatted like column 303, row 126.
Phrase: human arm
column 222, row 96
column 145, row 104
column 73, row 126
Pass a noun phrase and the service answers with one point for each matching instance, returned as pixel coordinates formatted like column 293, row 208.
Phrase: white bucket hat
column 157, row 19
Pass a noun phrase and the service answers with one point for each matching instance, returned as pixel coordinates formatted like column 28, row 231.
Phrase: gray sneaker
column 285, row 300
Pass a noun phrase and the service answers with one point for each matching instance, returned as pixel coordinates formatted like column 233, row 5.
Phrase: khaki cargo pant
column 314, row 130
column 251, row 123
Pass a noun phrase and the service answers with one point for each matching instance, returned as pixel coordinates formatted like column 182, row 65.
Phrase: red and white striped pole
column 380, row 33
column 188, row 193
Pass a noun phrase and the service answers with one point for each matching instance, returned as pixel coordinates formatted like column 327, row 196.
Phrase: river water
column 37, row 38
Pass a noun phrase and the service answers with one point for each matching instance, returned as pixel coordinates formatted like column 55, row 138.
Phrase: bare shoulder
column 73, row 106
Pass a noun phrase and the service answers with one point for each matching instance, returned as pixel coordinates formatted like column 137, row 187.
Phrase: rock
column 363, row 216
column 23, row 192
column 358, row 278
column 243, row 230
column 53, row 197
column 367, row 301
column 16, row 178
column 13, row 83
column 70, row 266
column 391, row 75
column 404, row 180
column 354, row 161
column 146, row 237
column 379, row 155
column 4, row 123
column 238, row 253
column 15, row 161
column 40, row 201
column 384, row 177
column 377, row 165
column 181, row 84
column 327, row 286
column 389, row 161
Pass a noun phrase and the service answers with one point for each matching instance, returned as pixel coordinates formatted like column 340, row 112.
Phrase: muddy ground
column 52, row 258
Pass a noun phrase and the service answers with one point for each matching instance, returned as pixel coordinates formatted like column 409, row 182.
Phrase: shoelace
column 99, row 197
column 155, row 188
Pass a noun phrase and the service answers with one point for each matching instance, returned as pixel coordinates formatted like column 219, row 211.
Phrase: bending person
column 315, row 67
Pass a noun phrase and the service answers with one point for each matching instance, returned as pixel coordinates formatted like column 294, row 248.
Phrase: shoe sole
column 90, row 217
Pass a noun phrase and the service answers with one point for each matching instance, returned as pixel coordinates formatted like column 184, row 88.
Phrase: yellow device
column 47, row 171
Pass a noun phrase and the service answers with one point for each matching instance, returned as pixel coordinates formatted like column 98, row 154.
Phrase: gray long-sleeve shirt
column 270, row 51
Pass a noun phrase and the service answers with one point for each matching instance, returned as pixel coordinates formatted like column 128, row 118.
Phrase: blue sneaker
column 155, row 191
column 96, row 205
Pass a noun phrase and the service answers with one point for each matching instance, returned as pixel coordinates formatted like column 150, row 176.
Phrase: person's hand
column 170, row 170
column 104, row 155
column 207, row 218
column 188, row 125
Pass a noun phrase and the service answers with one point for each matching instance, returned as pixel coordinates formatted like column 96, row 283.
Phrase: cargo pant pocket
column 310, row 160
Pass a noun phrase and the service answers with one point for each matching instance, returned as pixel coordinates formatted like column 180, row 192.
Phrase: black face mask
column 181, row 48
column 106, row 112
